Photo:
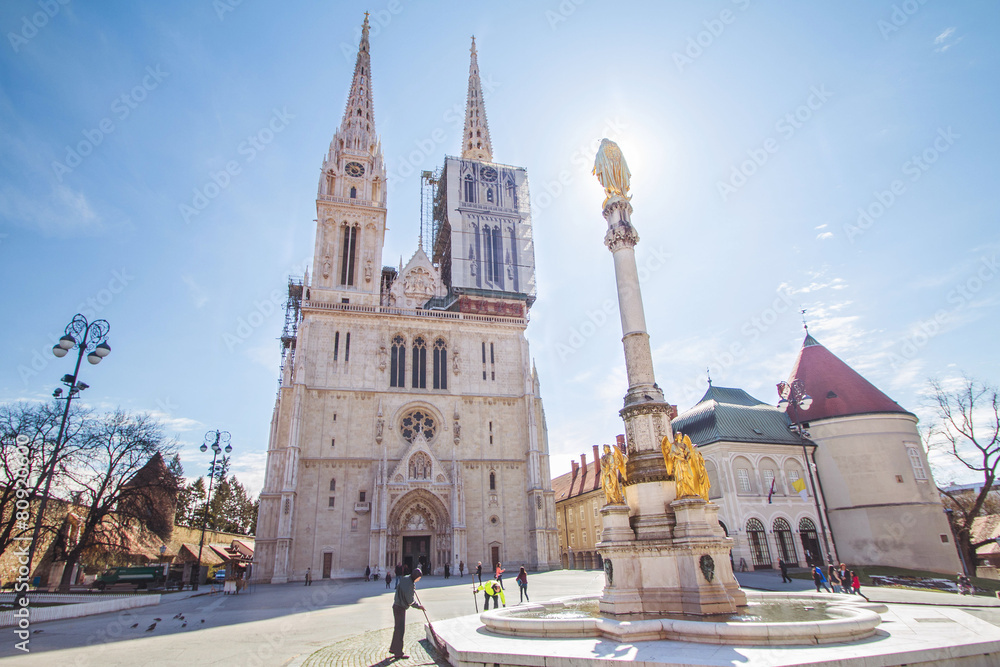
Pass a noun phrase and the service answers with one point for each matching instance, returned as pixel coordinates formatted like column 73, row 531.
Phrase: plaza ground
column 328, row 623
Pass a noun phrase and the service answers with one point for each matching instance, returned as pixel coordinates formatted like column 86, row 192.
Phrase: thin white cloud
column 823, row 226
column 824, row 236
column 944, row 35
column 943, row 42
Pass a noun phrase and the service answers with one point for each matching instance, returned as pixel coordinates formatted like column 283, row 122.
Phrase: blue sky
column 757, row 136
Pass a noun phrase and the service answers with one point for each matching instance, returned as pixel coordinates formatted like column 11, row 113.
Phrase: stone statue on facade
column 612, row 171
column 686, row 465
column 613, row 475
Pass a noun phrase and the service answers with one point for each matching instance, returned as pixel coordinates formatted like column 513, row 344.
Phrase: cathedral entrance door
column 417, row 552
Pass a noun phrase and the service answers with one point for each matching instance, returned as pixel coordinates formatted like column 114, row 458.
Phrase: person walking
column 461, row 569
column 479, row 571
column 500, row 572
column 309, row 576
column 783, row 566
column 819, row 579
column 493, row 591
column 522, row 584
column 388, row 578
column 368, row 573
column 447, row 571
column 845, row 577
column 404, row 599
column 835, row 581
column 856, row 585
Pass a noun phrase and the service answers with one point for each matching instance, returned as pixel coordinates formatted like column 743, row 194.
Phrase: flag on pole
column 771, row 492
column 800, row 486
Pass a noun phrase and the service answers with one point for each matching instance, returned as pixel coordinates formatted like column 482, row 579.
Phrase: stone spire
column 476, row 140
column 357, row 129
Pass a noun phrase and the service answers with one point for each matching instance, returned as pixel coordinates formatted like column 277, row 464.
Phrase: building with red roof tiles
column 880, row 497
column 579, row 499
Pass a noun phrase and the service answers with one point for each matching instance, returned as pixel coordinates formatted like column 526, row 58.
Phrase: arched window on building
column 714, row 489
column 347, row 255
column 810, row 541
column 497, row 257
column 440, row 364
column 758, row 545
column 419, row 378
column 511, row 194
column 397, row 364
column 493, row 481
column 354, row 192
column 783, row 536
column 333, row 484
column 470, row 187
column 489, row 195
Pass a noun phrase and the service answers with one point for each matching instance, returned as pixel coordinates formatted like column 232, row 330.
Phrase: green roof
column 732, row 415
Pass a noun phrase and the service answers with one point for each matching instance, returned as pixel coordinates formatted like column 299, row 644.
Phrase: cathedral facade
column 408, row 427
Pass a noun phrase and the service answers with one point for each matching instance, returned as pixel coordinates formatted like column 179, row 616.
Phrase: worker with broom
column 492, row 590
column 405, row 594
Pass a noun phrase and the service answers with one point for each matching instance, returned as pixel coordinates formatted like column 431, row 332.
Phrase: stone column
column 646, row 415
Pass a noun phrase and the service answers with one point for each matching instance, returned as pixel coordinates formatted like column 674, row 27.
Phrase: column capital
column 621, row 235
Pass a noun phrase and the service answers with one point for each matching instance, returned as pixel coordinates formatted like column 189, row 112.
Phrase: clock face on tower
column 489, row 174
column 355, row 169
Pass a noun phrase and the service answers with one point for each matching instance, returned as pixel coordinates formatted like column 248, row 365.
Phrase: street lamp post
column 794, row 397
column 217, row 440
column 83, row 336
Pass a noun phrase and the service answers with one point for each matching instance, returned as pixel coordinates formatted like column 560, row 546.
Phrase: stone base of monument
column 688, row 573
column 556, row 634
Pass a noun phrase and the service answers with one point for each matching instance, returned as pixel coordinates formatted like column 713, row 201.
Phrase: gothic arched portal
column 419, row 532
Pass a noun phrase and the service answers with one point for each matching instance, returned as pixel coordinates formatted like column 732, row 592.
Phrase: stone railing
column 414, row 312
column 349, row 200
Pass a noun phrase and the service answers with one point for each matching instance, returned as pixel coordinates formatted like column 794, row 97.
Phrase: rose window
column 416, row 423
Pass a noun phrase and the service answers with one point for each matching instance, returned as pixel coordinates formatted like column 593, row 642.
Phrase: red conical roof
column 836, row 388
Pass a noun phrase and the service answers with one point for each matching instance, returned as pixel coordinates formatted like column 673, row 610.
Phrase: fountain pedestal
column 686, row 573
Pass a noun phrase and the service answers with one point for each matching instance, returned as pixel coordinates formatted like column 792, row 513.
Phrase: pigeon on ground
column 39, row 631
column 202, row 620
column 184, row 625
column 151, row 628
column 157, row 619
column 178, row 615
column 134, row 625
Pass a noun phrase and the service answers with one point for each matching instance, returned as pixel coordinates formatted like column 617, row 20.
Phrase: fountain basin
column 844, row 618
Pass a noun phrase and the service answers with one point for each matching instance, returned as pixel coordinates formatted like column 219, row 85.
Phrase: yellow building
column 579, row 500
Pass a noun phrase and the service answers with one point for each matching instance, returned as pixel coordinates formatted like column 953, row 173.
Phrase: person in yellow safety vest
column 492, row 589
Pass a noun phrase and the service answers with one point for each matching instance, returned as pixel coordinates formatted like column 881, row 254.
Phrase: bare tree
column 125, row 491
column 968, row 429
column 24, row 464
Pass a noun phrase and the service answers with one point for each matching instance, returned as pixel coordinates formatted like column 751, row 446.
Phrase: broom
column 438, row 644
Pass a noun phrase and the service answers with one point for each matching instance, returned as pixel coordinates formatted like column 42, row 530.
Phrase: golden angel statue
column 686, row 465
column 613, row 475
column 612, row 171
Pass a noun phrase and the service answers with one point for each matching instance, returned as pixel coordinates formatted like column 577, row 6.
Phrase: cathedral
column 408, row 427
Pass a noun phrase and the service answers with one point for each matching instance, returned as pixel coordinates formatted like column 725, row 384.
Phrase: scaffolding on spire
column 428, row 193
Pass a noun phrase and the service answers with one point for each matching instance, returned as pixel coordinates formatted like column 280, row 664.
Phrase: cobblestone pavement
column 371, row 649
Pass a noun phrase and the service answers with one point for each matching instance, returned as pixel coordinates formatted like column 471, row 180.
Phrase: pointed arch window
column 493, row 481
column 470, row 186
column 347, row 255
column 354, row 192
column 419, row 377
column 489, row 195
column 333, row 484
column 511, row 194
column 440, row 364
column 397, row 365
column 495, row 239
